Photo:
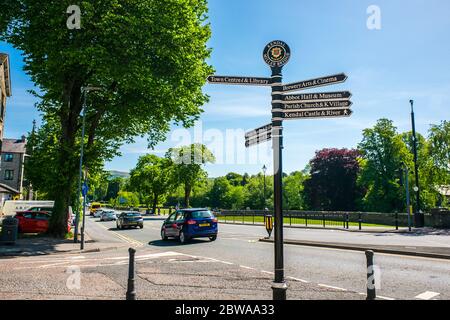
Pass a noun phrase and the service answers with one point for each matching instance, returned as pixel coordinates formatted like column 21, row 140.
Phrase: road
column 401, row 277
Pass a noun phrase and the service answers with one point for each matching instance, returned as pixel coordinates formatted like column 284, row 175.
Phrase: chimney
column 24, row 138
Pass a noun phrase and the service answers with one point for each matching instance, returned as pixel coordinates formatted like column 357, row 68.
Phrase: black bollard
column 371, row 294
column 131, row 292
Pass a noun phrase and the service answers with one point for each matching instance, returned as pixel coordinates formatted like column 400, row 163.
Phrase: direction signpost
column 288, row 107
column 258, row 135
column 312, row 97
column 314, row 114
column 314, row 83
column 251, row 81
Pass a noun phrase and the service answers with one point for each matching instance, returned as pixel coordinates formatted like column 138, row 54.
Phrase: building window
column 9, row 174
column 8, row 157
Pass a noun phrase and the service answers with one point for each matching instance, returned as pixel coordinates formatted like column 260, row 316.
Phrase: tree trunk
column 155, row 202
column 67, row 160
column 187, row 195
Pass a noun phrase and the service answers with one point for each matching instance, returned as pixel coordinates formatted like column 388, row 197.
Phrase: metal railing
column 318, row 219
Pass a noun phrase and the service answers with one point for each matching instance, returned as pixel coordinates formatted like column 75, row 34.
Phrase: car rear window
column 133, row 214
column 201, row 214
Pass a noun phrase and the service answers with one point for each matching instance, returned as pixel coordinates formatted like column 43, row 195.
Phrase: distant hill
column 115, row 174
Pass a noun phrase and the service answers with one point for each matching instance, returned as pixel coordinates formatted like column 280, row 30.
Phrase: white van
column 10, row 207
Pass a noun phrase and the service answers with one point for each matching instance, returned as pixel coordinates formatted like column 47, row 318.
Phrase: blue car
column 187, row 224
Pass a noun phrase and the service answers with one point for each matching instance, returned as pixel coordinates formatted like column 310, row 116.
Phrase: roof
column 194, row 209
column 7, row 189
column 14, row 146
column 4, row 60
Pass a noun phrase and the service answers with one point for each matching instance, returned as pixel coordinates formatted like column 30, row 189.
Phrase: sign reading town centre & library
column 252, row 81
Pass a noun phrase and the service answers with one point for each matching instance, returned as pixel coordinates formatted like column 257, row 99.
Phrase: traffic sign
column 314, row 83
column 84, row 189
column 251, row 81
column 305, row 97
column 318, row 105
column 308, row 114
column 259, row 131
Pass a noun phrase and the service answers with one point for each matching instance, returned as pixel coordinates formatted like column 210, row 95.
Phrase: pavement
column 41, row 245
column 426, row 242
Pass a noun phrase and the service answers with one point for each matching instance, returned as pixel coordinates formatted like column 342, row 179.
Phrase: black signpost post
column 276, row 54
column 287, row 107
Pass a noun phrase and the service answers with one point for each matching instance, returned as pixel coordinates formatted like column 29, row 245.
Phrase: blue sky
column 408, row 58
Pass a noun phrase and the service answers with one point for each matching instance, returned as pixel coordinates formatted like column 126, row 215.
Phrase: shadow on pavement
column 119, row 230
column 175, row 243
column 426, row 232
column 35, row 245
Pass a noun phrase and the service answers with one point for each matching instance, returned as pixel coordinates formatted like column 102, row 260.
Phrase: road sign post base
column 279, row 290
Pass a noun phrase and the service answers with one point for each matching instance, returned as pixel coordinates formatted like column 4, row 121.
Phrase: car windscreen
column 201, row 214
column 134, row 215
column 95, row 206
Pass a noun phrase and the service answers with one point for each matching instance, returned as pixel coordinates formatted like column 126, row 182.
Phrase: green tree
column 188, row 162
column 126, row 199
column 428, row 176
column 147, row 56
column 254, row 191
column 439, row 150
column 152, row 176
column 218, row 195
column 293, row 191
column 383, row 153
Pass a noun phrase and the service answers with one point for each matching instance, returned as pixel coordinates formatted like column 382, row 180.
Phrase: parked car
column 187, row 224
column 129, row 219
column 108, row 216
column 35, row 221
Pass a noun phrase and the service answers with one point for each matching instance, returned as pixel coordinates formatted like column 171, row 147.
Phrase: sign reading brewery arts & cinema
column 314, row 83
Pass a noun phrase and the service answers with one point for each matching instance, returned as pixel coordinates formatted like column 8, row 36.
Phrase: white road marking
column 331, row 287
column 245, row 267
column 427, row 295
column 385, row 298
column 268, row 272
column 297, row 279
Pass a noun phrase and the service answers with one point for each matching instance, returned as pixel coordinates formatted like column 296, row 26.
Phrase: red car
column 34, row 221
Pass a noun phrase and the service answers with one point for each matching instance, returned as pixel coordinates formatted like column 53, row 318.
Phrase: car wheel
column 212, row 238
column 163, row 235
column 141, row 226
column 183, row 239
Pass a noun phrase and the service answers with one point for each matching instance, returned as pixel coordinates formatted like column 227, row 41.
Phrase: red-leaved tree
column 332, row 184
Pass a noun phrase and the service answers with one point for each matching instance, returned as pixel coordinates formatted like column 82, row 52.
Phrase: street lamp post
column 84, row 92
column 418, row 216
column 264, row 169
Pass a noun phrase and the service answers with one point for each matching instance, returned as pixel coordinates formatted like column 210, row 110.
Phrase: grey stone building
column 12, row 164
column 5, row 89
